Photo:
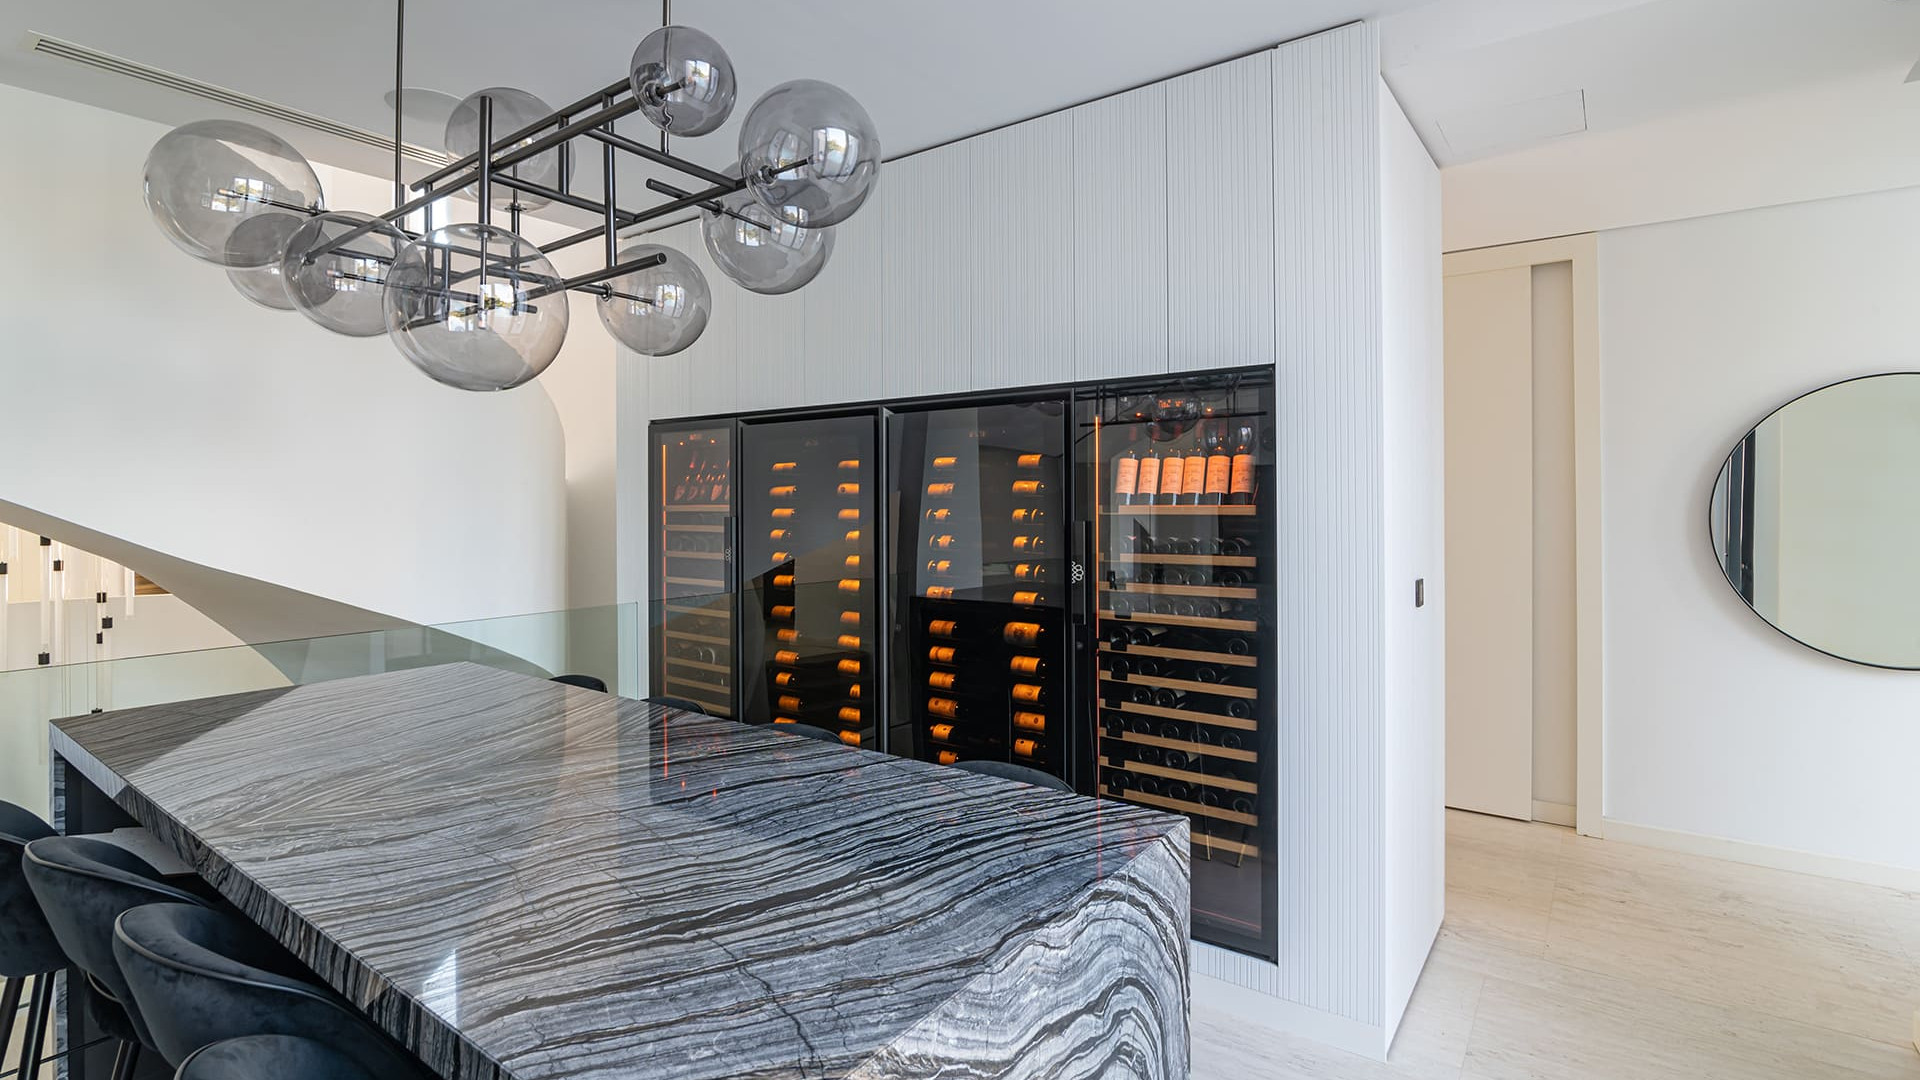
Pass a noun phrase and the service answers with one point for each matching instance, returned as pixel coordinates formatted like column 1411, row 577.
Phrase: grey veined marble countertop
column 525, row 880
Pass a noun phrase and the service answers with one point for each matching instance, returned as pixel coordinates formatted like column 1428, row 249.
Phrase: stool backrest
column 83, row 886
column 678, row 703
column 27, row 944
column 584, row 682
column 808, row 731
column 202, row 976
column 1006, row 770
column 285, row 1057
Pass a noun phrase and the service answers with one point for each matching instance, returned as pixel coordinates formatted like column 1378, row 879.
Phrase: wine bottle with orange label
column 1126, row 477
column 1193, row 481
column 1219, row 468
column 1241, row 481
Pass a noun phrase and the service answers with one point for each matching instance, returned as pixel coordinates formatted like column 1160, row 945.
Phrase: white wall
column 142, row 397
column 1716, row 724
column 1412, row 307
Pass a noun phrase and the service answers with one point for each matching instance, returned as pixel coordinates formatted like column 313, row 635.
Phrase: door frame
column 1589, row 695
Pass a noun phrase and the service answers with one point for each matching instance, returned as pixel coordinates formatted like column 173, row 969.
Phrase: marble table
column 524, row 880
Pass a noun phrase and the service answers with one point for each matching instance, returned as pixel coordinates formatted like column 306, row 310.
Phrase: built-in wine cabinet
column 1077, row 580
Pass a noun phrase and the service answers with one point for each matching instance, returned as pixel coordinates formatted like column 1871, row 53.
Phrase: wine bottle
column 785, row 678
column 1232, row 545
column 1030, row 721
column 939, row 566
column 783, row 581
column 1029, row 489
column 849, row 714
column 944, row 461
column 1031, row 572
column 1114, row 726
column 1026, row 748
column 1030, row 545
column 783, row 491
column 1204, row 673
column 940, row 490
column 851, row 562
column 1147, row 755
column 852, row 537
column 1172, row 730
column 1193, row 481
column 1172, row 473
column 850, row 618
column 848, row 641
column 1029, row 693
column 1119, row 668
column 1028, row 461
column 942, row 654
column 1177, row 790
column 849, row 464
column 1241, row 804
column 780, row 611
column 1229, row 579
column 1126, row 477
column 939, row 513
column 785, row 466
column 944, row 540
column 851, row 513
column 848, row 666
column 1239, row 709
column 1169, row 699
column 1240, row 486
column 788, row 702
column 1029, row 516
column 947, row 757
column 1118, row 782
column 1022, row 633
column 779, row 536
column 942, row 732
column 849, row 585
column 1140, row 695
column 941, row 680
column 1237, row 646
column 945, row 707
column 945, row 628
column 1219, row 466
column 1027, row 665
column 1030, row 598
column 787, row 634
column 849, row 488
column 1174, row 759
column 1146, row 488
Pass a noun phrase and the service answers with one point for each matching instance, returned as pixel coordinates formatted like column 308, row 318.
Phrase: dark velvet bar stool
column 284, row 1057
column 201, row 977
column 808, row 731
column 83, row 885
column 679, row 703
column 28, row 949
column 584, row 682
column 1006, row 770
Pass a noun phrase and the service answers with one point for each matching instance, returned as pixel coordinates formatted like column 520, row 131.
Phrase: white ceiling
column 1472, row 64
column 1496, row 74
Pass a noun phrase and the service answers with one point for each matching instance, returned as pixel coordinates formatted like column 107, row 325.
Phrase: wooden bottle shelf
column 704, row 639
column 1229, row 659
column 695, row 528
column 711, row 556
column 1224, row 783
column 703, row 583
column 704, row 693
column 1180, row 805
column 1221, row 592
column 1183, row 560
column 698, row 508
column 1188, row 685
column 1184, row 746
column 1207, row 622
column 700, row 665
column 707, row 612
column 1214, row 719
column 1230, row 847
column 1237, row 510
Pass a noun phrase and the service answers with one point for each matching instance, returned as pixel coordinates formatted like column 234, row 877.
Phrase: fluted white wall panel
column 845, row 306
column 713, row 361
column 928, row 329
column 1019, row 254
column 1120, row 235
column 770, row 346
column 1220, row 215
column 1326, row 310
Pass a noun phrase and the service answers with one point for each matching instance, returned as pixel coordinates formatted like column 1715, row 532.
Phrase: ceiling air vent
column 114, row 65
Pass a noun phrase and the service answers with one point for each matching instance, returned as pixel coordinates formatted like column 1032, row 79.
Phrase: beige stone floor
column 1566, row 958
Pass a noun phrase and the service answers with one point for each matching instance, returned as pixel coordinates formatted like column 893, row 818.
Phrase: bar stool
column 83, row 885
column 287, row 1057
column 28, row 948
column 585, row 682
column 200, row 977
column 1006, row 770
column 808, row 731
column 679, row 703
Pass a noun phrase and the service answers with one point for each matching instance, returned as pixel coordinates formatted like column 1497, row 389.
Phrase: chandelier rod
column 506, row 142
column 399, row 92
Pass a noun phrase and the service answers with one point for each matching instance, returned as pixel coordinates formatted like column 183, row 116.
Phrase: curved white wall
column 142, row 397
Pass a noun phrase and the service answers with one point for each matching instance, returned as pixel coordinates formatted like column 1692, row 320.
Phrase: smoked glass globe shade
column 810, row 152
column 340, row 287
column 683, row 81
column 512, row 110
column 204, row 179
column 255, row 250
column 475, row 307
column 759, row 250
column 660, row 310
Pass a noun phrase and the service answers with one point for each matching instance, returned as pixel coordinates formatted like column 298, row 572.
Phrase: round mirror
column 1815, row 520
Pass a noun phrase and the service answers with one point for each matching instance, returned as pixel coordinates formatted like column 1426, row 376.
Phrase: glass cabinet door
column 692, row 571
column 979, row 571
column 1178, row 488
column 809, row 612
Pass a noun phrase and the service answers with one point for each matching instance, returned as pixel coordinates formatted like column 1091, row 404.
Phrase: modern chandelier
column 477, row 306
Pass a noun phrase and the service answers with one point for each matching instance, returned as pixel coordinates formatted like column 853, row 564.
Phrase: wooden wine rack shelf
column 695, row 528
column 1238, row 510
column 1203, row 621
column 1190, row 686
column 700, row 665
column 1224, row 783
column 699, row 508
column 1222, row 592
column 705, row 583
column 710, row 555
column 1184, row 746
column 1230, row 847
column 704, row 639
column 1180, row 805
column 1184, row 560
column 708, row 612
column 697, row 691
column 1161, row 651
column 1233, row 722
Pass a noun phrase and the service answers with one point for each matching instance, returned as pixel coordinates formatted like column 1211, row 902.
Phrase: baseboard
column 1905, row 879
column 1287, row 1017
column 1553, row 813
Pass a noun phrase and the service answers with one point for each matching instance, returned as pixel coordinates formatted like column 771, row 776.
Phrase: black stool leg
column 125, row 1060
column 38, row 1013
column 9, row 1012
